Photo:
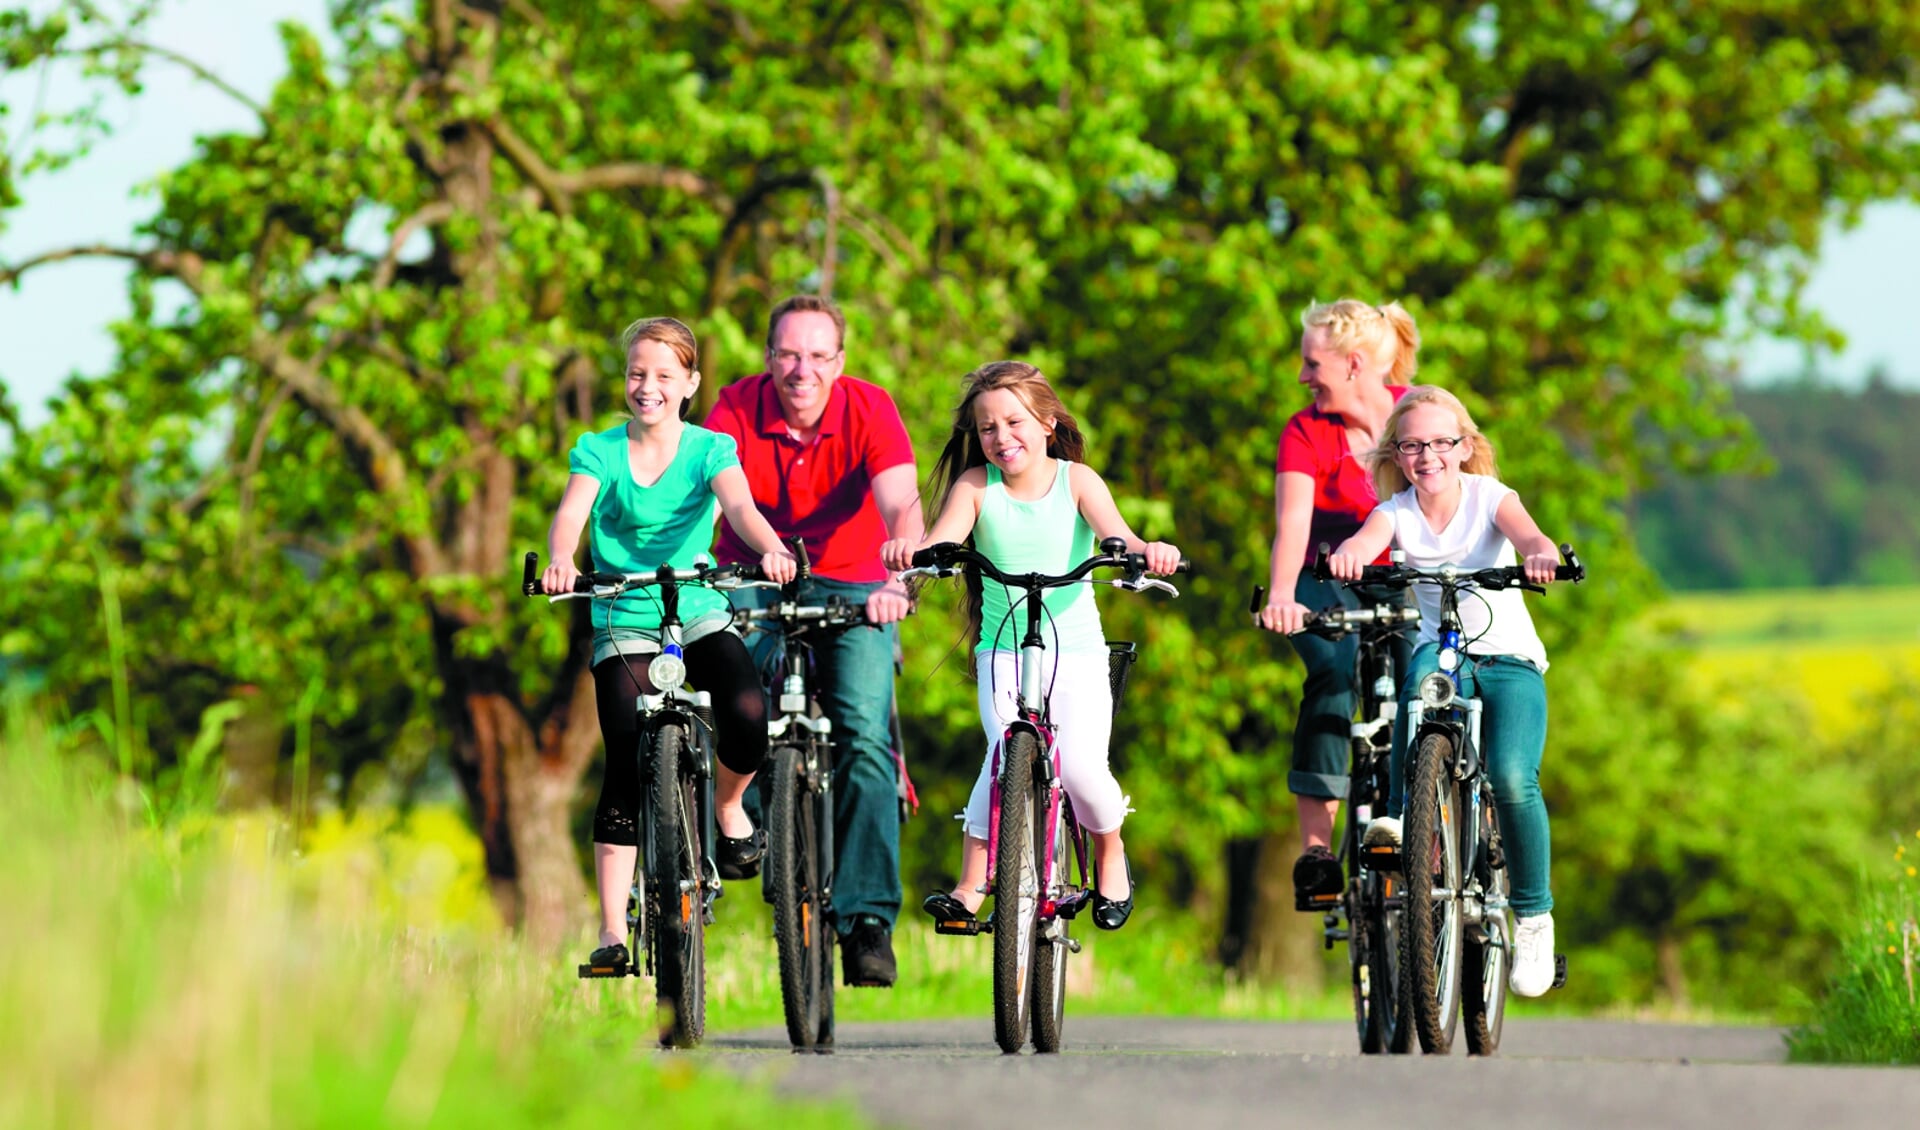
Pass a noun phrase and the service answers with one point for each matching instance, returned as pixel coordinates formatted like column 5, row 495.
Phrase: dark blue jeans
column 853, row 681
column 1322, row 749
column 1513, row 738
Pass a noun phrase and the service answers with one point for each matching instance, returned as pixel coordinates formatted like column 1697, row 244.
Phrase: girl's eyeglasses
column 1415, row 446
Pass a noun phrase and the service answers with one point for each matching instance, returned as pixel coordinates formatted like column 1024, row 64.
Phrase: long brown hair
column 963, row 451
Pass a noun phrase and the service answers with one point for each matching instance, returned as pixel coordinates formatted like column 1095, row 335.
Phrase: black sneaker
column 866, row 954
column 1317, row 872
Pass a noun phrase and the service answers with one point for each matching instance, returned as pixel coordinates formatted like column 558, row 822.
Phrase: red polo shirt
column 822, row 491
column 1315, row 444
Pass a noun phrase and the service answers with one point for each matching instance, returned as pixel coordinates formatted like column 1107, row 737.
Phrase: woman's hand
column 1163, row 558
column 897, row 554
column 558, row 578
column 1540, row 567
column 1284, row 616
column 779, row 566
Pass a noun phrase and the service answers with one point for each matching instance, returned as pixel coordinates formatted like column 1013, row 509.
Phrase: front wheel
column 802, row 931
column 1431, row 924
column 1489, row 946
column 673, row 871
column 1016, row 894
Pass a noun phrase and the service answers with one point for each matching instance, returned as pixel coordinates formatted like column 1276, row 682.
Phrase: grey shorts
column 617, row 640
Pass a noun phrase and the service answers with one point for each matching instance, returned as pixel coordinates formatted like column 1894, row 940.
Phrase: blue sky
column 1867, row 282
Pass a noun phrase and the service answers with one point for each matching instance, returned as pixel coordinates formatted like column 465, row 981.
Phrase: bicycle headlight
column 1436, row 691
column 667, row 672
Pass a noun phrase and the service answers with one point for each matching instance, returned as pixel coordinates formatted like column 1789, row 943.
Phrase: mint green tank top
column 1047, row 535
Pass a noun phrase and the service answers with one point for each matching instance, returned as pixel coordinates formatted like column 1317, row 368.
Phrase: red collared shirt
column 821, row 491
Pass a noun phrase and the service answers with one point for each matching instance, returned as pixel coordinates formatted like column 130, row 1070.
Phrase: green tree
column 387, row 308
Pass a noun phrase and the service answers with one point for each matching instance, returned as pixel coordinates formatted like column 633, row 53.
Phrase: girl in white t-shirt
column 1445, row 505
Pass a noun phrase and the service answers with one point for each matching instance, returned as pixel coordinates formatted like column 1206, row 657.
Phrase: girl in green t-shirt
column 648, row 488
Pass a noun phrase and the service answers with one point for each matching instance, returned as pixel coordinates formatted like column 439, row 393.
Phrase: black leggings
column 718, row 664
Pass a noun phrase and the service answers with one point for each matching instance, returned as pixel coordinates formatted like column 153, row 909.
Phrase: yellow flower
column 1891, row 949
column 1912, row 871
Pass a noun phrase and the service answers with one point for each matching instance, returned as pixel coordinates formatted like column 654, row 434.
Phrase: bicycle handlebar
column 712, row 576
column 1338, row 621
column 948, row 557
column 1496, row 577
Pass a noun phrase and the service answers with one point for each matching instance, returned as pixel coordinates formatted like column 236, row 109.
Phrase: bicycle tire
column 1385, row 951
column 1049, row 1006
column 1016, row 895
column 1483, row 1000
column 1431, row 929
column 680, row 928
column 801, row 931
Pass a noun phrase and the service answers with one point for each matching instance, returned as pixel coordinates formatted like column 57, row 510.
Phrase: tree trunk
column 1673, row 973
column 1263, row 938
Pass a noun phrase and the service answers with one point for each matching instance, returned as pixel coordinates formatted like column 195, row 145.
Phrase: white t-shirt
column 1491, row 623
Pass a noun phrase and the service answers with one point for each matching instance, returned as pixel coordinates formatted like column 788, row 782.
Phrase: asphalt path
column 1159, row 1072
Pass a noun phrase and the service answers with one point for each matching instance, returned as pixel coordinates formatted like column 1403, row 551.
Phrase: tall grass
column 193, row 973
column 1871, row 1011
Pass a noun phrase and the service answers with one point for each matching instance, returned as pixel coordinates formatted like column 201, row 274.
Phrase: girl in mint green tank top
column 1016, row 484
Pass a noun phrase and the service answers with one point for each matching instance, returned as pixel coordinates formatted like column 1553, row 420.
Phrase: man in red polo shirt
column 830, row 462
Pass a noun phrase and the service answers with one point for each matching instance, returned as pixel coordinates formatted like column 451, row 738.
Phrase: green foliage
column 1868, row 1013
column 1833, row 506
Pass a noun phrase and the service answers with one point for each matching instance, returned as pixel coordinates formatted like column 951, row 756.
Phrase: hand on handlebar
column 1284, row 616
column 897, row 554
column 1540, row 567
column 1345, row 566
column 888, row 604
column 558, row 578
column 779, row 566
column 1163, row 558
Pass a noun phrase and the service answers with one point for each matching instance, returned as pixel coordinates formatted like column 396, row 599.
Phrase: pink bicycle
column 1031, row 822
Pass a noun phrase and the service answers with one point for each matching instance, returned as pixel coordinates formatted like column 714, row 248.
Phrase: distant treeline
column 1839, row 505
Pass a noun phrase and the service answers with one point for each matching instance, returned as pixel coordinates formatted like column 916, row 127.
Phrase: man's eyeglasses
column 790, row 357
column 1440, row 446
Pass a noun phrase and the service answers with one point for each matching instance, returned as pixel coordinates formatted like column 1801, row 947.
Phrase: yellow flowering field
column 1831, row 645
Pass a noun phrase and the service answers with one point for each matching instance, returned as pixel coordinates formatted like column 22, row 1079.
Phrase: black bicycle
column 676, row 881
column 1367, row 913
column 1457, row 936
column 798, row 787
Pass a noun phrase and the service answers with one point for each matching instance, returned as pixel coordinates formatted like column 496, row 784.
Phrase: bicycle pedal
column 1316, row 903
column 1073, row 904
column 1380, row 857
column 1559, row 970
column 589, row 972
column 962, row 927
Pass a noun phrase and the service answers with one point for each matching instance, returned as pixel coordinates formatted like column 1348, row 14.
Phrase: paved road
column 1190, row 1074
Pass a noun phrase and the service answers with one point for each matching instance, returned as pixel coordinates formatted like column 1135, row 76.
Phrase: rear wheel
column 1050, row 959
column 801, row 931
column 1488, row 947
column 1373, row 955
column 1431, row 863
column 1016, row 895
column 674, row 874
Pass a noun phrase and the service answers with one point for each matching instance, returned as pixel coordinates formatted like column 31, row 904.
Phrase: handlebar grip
column 1185, row 566
column 805, row 570
column 1320, row 567
column 1573, row 570
column 530, row 575
column 934, row 555
column 1259, row 600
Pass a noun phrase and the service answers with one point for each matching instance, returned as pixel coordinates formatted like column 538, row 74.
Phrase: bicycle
column 676, row 881
column 1455, row 956
column 1370, row 905
column 798, row 779
column 1034, row 906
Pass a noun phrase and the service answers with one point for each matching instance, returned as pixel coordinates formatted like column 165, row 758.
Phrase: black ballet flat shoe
column 739, row 859
column 1111, row 914
column 945, row 908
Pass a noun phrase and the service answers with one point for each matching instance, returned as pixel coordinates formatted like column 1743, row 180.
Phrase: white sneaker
column 1532, row 972
column 1383, row 831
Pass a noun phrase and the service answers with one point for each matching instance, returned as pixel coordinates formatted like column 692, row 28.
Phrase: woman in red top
column 1358, row 360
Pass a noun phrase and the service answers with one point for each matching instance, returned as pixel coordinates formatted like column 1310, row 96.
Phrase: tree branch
column 162, row 261
column 560, row 187
column 438, row 212
column 198, row 71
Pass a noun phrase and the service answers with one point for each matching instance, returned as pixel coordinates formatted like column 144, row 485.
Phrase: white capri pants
column 1080, row 702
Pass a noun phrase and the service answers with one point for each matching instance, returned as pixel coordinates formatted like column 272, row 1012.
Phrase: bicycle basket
column 1120, row 657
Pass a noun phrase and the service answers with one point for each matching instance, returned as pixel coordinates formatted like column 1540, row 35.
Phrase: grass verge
column 1871, row 1011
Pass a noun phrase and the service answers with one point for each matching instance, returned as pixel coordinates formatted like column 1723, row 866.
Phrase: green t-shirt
column 1047, row 535
column 640, row 528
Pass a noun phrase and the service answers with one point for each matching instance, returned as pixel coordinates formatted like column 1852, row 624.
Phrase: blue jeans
column 1513, row 738
column 853, row 681
column 1322, row 749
